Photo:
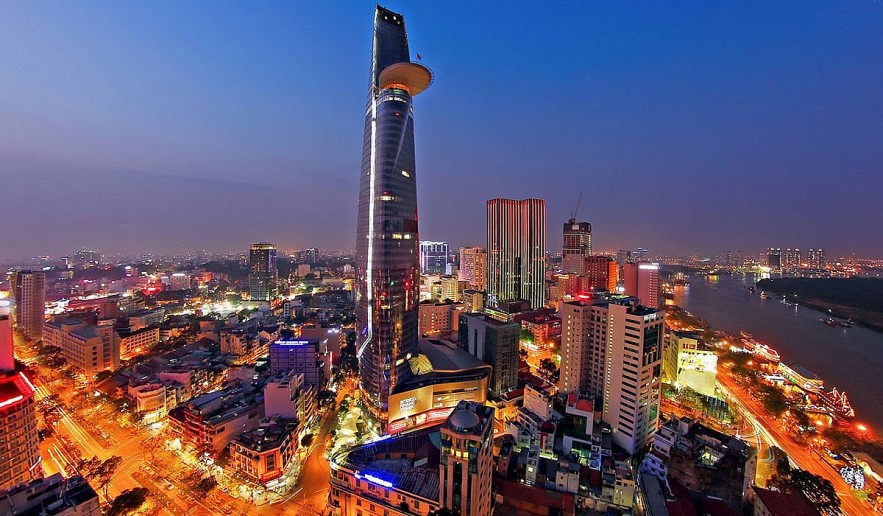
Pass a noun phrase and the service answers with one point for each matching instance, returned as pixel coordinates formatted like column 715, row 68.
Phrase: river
column 850, row 359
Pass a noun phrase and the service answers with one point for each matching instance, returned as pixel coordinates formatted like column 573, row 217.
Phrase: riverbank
column 858, row 299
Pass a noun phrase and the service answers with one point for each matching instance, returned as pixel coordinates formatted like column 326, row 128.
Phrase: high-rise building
column 597, row 273
column 632, row 379
column 7, row 354
column 641, row 280
column 577, row 246
column 640, row 254
column 612, row 275
column 434, row 257
column 815, row 258
column 310, row 256
column 467, row 461
column 583, row 347
column 648, row 285
column 774, row 258
column 612, row 350
column 87, row 258
column 791, row 259
column 516, row 244
column 29, row 292
column 263, row 277
column 473, row 267
column 387, row 251
column 20, row 452
column 623, row 256
column 493, row 342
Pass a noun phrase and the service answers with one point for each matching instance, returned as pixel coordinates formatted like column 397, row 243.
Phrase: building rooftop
column 267, row 436
column 469, row 417
column 408, row 462
column 580, row 403
column 785, row 504
column 445, row 356
column 441, row 361
column 47, row 496
column 13, row 385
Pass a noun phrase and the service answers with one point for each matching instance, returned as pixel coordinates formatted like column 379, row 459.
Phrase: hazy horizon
column 184, row 126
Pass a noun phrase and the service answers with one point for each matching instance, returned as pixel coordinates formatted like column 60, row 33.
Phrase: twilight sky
column 171, row 126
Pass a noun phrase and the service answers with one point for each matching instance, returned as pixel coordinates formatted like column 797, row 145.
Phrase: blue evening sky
column 691, row 126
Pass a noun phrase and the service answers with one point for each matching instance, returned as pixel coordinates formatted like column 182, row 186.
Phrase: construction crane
column 575, row 210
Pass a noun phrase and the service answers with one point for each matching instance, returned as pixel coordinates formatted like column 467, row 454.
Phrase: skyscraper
column 473, row 267
column 516, row 246
column 612, row 350
column 29, row 291
column 774, row 258
column 20, row 452
column 816, row 258
column 633, row 366
column 597, row 273
column 263, row 277
column 433, row 257
column 387, row 251
column 577, row 246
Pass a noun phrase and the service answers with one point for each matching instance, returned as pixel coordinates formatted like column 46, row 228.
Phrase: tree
column 128, row 501
column 206, row 484
column 306, row 440
column 548, row 367
column 526, row 336
column 773, row 400
column 104, row 472
column 820, row 491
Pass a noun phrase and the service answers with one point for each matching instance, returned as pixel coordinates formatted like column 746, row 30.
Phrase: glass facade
column 387, row 239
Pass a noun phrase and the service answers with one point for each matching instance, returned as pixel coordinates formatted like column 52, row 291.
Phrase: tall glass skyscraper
column 387, row 240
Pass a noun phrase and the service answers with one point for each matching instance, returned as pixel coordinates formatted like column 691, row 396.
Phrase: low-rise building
column 285, row 395
column 87, row 348
column 442, row 375
column 712, row 463
column 776, row 503
column 688, row 362
column 51, row 496
column 263, row 454
column 137, row 342
column 155, row 399
column 210, row 421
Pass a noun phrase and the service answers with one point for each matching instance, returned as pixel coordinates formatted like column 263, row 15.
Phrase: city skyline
column 761, row 122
